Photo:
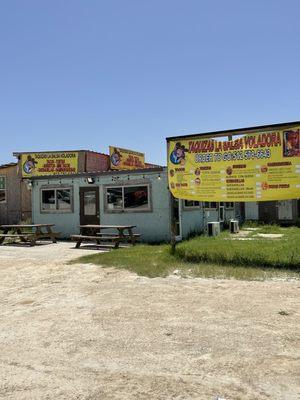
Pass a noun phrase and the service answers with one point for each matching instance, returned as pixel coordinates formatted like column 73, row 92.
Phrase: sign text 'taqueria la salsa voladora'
column 255, row 167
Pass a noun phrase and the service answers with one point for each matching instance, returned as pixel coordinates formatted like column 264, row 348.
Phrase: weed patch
column 208, row 257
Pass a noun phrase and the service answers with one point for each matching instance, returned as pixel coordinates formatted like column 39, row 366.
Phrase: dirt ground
column 86, row 332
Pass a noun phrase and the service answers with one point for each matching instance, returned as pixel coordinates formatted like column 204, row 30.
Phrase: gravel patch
column 89, row 333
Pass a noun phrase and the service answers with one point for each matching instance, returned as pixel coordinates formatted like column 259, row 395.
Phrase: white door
column 285, row 210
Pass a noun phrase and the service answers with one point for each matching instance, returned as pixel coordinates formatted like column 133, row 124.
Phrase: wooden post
column 173, row 226
column 173, row 237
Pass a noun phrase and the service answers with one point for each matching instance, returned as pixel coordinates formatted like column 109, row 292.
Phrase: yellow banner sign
column 39, row 164
column 125, row 159
column 255, row 167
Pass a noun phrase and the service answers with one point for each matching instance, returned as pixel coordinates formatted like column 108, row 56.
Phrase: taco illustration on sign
column 264, row 168
column 265, row 186
column 229, row 170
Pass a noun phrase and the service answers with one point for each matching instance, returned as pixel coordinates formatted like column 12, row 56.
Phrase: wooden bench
column 98, row 239
column 125, row 235
column 51, row 235
column 93, row 233
column 24, row 237
column 28, row 232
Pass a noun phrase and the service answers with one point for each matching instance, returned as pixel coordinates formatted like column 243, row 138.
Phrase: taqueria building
column 16, row 177
column 137, row 197
column 133, row 196
column 244, row 171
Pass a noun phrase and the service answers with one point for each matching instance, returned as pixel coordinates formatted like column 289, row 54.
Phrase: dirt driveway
column 85, row 332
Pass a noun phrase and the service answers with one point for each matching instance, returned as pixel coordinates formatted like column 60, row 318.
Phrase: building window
column 56, row 200
column 128, row 198
column 2, row 189
column 229, row 204
column 191, row 204
column 114, row 198
column 210, row 205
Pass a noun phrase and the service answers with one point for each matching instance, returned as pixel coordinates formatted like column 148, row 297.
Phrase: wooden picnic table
column 93, row 233
column 28, row 233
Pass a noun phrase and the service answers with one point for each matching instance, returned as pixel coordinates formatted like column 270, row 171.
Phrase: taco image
column 264, row 168
column 228, row 170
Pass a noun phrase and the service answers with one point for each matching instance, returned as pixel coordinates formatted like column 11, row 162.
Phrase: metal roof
column 17, row 153
column 12, row 164
column 102, row 173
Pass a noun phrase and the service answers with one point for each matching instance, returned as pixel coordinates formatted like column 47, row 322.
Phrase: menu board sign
column 254, row 167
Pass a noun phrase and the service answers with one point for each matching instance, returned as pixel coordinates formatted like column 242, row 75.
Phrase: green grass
column 262, row 228
column 219, row 257
column 280, row 253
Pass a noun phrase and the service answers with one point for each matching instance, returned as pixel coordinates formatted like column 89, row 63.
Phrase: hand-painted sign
column 125, row 159
column 39, row 164
column 254, row 167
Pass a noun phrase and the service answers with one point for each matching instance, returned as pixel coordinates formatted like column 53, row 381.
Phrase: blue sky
column 84, row 74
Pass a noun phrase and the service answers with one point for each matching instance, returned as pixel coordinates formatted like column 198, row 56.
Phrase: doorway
column 267, row 211
column 221, row 212
column 89, row 206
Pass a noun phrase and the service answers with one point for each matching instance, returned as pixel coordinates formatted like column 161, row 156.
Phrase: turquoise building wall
column 154, row 225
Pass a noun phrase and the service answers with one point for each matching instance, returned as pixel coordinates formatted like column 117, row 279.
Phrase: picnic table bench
column 28, row 233
column 93, row 233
